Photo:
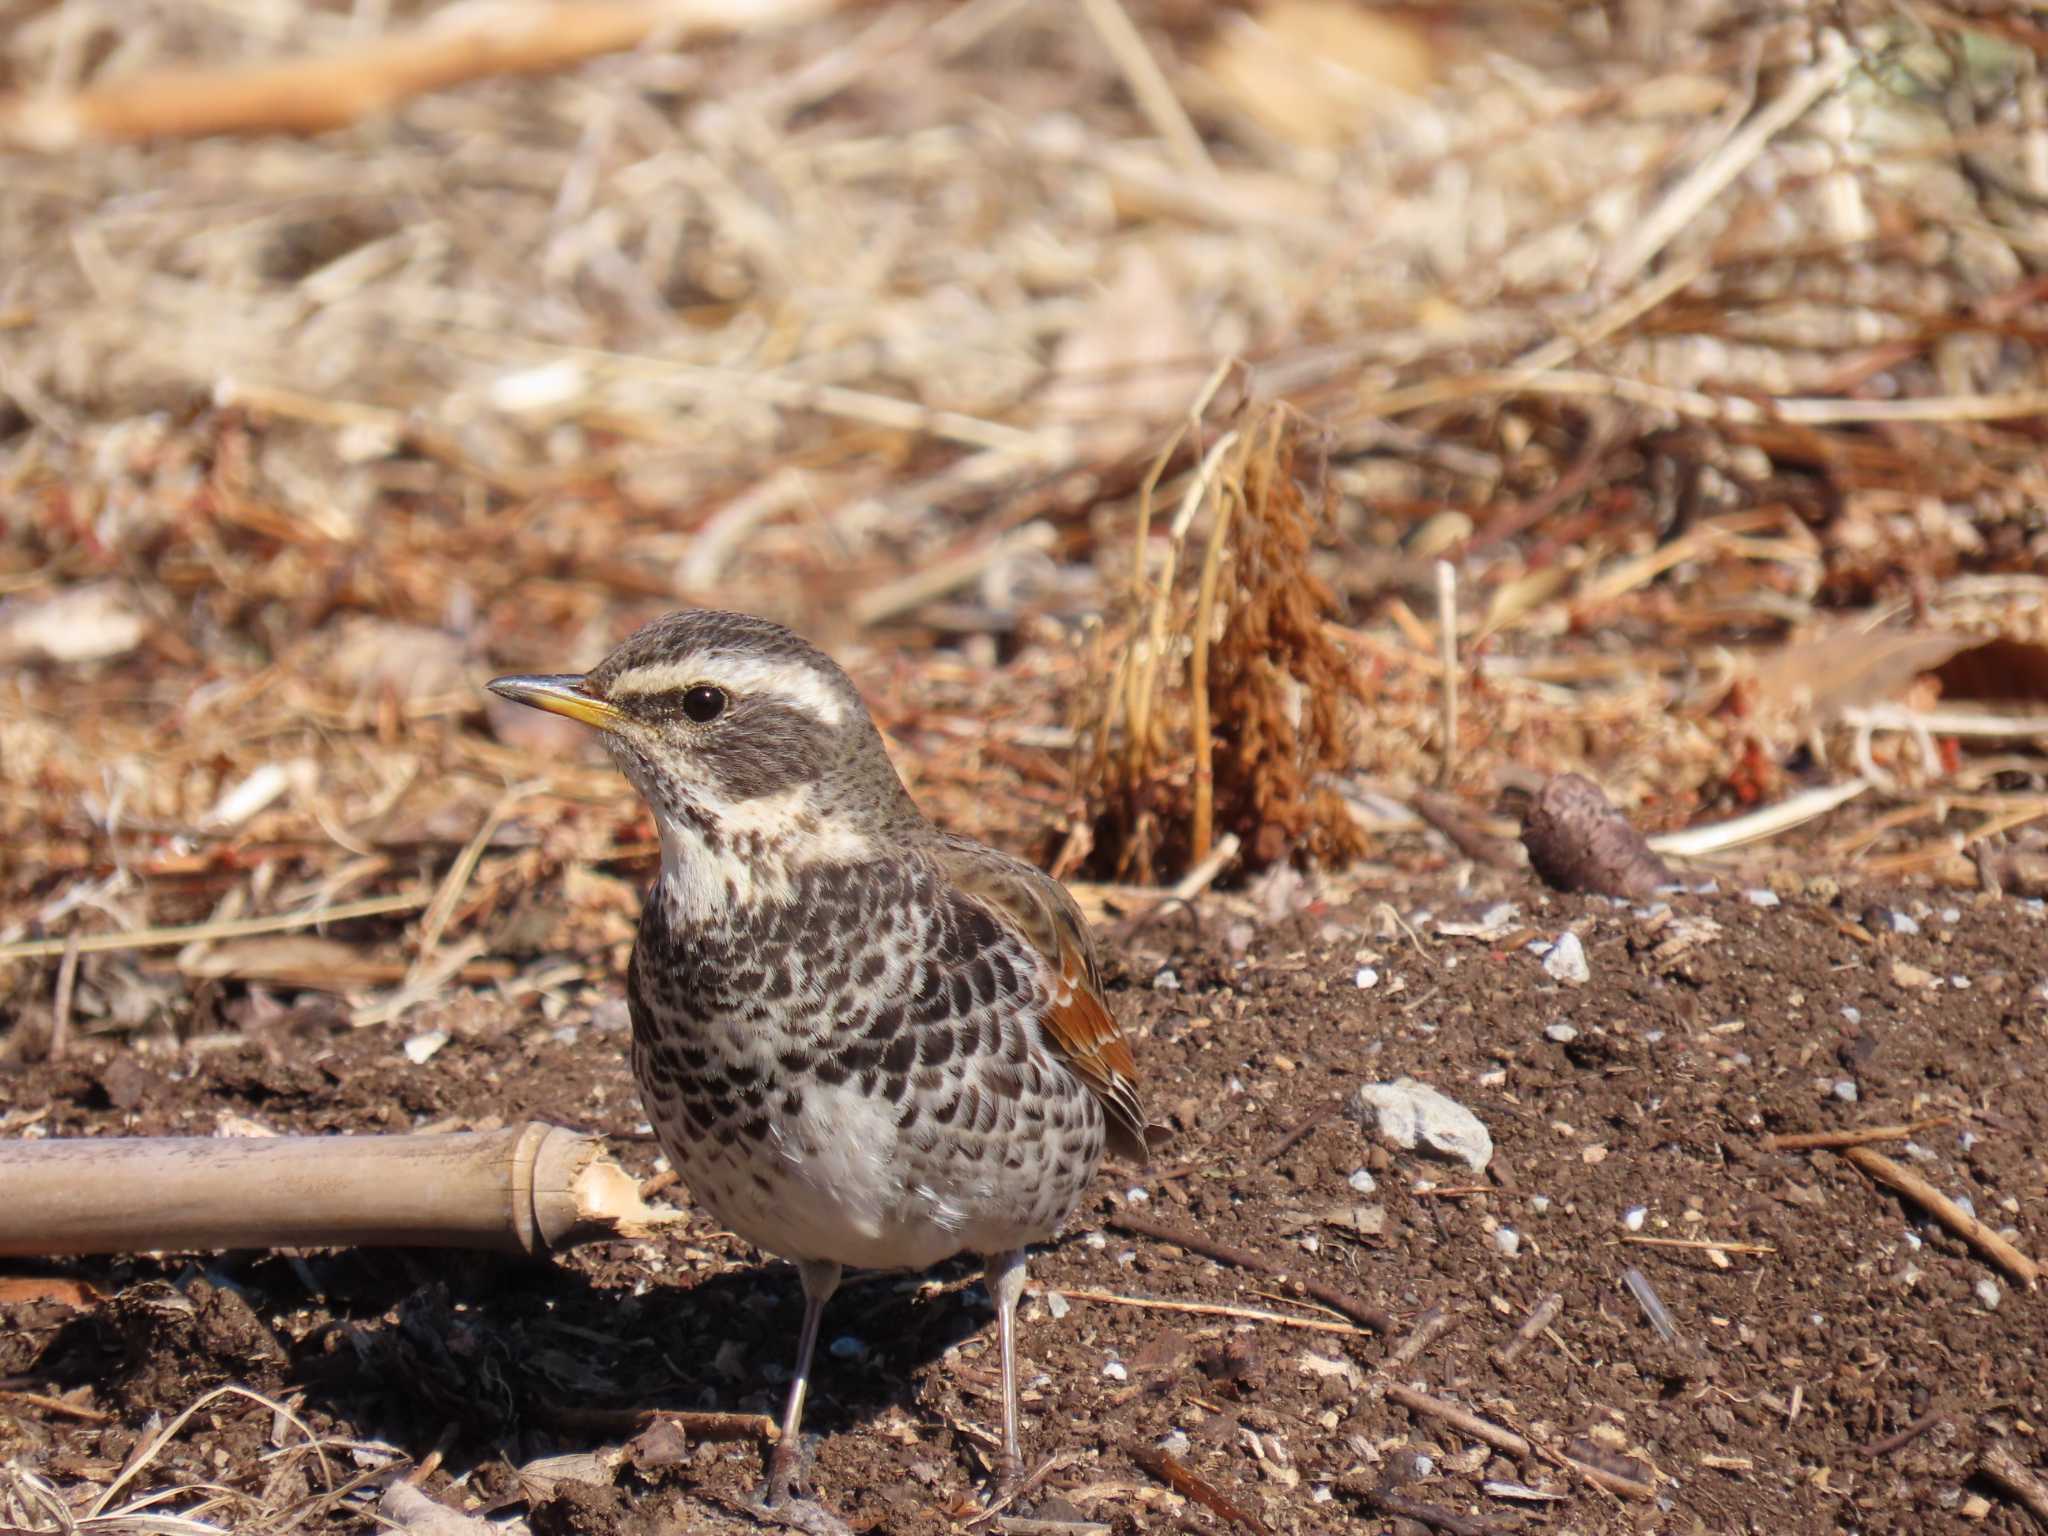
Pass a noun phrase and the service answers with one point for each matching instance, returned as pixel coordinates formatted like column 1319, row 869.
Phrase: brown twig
column 1430, row 1327
column 1808, row 1141
column 56, row 1405
column 1350, row 1306
column 1294, row 1138
column 1947, row 1212
column 1580, row 1461
column 1461, row 1419
column 1696, row 1243
column 1538, row 1320
column 1176, row 1474
column 1467, row 1422
column 2004, row 1469
column 1215, row 1309
column 1901, row 1438
column 231, row 928
column 1396, row 1506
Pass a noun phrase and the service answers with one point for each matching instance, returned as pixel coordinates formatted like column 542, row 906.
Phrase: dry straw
column 1223, row 699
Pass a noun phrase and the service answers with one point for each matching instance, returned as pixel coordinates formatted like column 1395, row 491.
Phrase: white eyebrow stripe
column 791, row 681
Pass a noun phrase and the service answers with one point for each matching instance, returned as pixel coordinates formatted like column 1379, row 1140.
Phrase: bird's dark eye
column 704, row 704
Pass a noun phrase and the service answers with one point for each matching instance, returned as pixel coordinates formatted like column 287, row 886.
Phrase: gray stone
column 1414, row 1116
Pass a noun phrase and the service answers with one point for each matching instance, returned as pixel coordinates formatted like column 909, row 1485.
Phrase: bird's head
column 731, row 725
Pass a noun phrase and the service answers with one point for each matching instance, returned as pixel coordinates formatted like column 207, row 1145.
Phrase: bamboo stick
column 529, row 1189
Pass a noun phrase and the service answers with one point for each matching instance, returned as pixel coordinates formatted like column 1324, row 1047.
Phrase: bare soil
column 1631, row 1106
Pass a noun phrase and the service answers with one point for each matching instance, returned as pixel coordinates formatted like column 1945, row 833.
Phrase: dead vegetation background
column 1214, row 436
column 1190, row 423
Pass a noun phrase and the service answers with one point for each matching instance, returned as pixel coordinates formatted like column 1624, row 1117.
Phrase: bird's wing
column 1077, row 1022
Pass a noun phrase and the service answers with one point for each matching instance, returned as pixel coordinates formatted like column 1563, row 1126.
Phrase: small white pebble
column 1653, row 1036
column 1320, row 1494
column 1960, row 983
column 1845, row 1090
column 1424, row 1465
column 847, row 1347
column 1362, row 1181
column 1566, row 961
column 1540, row 1204
column 1137, row 1195
column 1115, row 1371
column 1951, row 915
column 1901, row 923
column 1634, row 1216
column 1312, row 1243
column 1989, row 1293
column 1507, row 1240
column 1166, row 981
column 420, row 1049
column 1057, row 1305
column 1760, row 898
column 1853, row 1014
column 1127, row 1258
column 1913, row 1241
column 1096, row 1240
column 1563, row 1034
column 1966, row 1205
column 1366, row 977
column 1174, row 1442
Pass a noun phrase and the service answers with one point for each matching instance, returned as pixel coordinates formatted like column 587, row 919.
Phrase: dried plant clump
column 1222, row 704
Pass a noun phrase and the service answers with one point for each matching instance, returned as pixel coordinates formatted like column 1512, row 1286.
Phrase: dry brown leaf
column 296, row 957
column 1997, row 672
column 78, row 624
column 1851, row 667
column 1135, row 361
column 22, row 1290
column 1314, row 71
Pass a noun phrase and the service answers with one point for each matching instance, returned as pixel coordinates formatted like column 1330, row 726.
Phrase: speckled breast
column 854, row 1070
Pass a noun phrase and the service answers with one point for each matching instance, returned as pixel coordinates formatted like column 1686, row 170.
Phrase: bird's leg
column 820, row 1281
column 1004, row 1278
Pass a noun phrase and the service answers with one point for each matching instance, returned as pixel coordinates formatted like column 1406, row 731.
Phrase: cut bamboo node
column 531, row 1189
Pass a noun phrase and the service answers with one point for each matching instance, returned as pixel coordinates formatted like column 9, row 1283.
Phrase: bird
column 861, row 1040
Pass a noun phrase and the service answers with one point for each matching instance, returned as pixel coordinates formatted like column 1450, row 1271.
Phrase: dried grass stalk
column 1223, row 701
column 315, row 94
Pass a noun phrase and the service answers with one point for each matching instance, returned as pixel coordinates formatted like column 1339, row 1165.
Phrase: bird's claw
column 795, row 1514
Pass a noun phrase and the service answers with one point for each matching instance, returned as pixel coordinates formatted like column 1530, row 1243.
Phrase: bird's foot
column 1004, row 1496
column 795, row 1514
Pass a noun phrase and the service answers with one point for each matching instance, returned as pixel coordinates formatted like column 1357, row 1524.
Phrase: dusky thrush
column 861, row 1040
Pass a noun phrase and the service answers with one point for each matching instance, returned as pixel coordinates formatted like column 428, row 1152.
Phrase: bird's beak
column 561, row 694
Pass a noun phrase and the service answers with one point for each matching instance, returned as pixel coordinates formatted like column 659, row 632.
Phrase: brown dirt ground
column 1701, row 1030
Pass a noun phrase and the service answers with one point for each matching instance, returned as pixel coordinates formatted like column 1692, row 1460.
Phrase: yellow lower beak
column 560, row 694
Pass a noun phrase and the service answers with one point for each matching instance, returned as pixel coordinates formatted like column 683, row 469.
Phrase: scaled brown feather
column 1079, row 1024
